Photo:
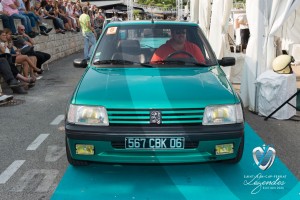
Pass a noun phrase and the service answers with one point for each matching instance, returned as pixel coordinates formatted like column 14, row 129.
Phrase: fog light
column 223, row 149
column 84, row 149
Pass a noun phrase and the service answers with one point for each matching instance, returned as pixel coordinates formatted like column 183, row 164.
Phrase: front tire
column 71, row 160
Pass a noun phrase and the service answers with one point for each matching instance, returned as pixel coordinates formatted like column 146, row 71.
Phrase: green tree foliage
column 159, row 3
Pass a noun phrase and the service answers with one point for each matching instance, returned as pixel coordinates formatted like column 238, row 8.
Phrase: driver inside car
column 178, row 47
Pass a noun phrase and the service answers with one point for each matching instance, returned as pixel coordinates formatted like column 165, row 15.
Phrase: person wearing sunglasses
column 177, row 42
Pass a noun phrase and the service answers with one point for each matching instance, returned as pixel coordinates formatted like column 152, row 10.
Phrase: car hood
column 154, row 88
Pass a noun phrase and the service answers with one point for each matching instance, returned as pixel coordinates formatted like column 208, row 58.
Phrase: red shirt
column 166, row 49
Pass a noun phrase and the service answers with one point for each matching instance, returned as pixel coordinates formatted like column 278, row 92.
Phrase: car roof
column 149, row 22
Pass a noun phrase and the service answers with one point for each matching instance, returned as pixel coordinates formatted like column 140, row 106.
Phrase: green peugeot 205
column 154, row 92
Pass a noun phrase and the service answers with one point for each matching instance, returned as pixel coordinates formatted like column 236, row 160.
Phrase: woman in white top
column 27, row 63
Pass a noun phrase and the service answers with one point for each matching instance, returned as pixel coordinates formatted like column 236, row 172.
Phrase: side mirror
column 227, row 61
column 80, row 63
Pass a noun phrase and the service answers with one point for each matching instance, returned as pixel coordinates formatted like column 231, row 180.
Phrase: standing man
column 87, row 32
column 98, row 23
column 242, row 23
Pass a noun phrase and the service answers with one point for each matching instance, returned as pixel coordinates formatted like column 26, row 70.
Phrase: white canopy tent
column 194, row 10
column 201, row 13
column 265, row 20
column 290, row 35
column 204, row 14
column 219, row 27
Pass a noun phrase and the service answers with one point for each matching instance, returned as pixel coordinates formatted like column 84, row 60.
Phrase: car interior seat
column 129, row 50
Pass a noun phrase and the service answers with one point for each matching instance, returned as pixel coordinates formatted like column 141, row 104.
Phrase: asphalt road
column 32, row 135
column 32, row 148
column 284, row 135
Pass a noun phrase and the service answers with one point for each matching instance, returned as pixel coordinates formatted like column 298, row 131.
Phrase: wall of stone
column 56, row 44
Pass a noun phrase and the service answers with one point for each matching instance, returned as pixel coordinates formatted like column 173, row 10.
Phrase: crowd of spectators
column 20, row 64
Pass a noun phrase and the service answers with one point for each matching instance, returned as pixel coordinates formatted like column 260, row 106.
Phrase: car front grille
column 168, row 116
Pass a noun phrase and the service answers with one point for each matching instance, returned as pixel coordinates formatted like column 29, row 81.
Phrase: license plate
column 154, row 143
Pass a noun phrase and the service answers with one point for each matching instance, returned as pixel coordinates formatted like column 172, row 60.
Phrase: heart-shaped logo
column 264, row 157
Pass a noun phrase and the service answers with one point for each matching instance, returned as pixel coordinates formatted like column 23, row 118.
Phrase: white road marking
column 5, row 176
column 57, row 120
column 31, row 177
column 37, row 142
column 54, row 153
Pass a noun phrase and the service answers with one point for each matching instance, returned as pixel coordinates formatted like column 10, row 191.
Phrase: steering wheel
column 181, row 52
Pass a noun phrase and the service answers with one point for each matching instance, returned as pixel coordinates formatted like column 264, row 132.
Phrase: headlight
column 87, row 115
column 223, row 114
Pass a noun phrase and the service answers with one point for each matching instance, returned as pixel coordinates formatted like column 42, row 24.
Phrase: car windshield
column 153, row 44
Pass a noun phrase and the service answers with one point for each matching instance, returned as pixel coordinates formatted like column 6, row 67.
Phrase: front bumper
column 109, row 143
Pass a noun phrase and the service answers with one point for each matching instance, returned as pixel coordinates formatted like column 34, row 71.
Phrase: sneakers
column 44, row 33
column 33, row 34
column 5, row 98
column 48, row 30
column 39, row 72
column 60, row 31
column 14, row 83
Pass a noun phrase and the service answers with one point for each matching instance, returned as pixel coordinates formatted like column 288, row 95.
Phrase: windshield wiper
column 99, row 62
column 179, row 62
column 116, row 62
column 199, row 64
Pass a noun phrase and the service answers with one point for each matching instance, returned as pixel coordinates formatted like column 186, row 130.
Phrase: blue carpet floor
column 194, row 181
